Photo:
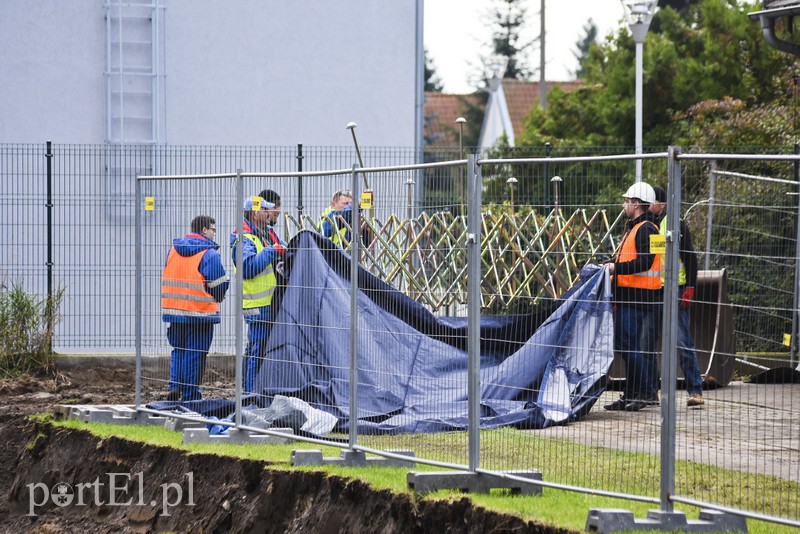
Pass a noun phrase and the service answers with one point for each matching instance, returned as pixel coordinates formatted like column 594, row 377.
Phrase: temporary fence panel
column 387, row 352
column 619, row 451
column 169, row 350
column 740, row 449
column 415, row 358
column 570, row 211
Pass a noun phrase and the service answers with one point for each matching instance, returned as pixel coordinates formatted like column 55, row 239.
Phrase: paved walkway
column 747, row 427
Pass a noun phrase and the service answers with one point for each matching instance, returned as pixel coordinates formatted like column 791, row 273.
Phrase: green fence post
column 49, row 205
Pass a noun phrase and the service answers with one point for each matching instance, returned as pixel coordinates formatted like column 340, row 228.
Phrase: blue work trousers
column 687, row 353
column 257, row 336
column 651, row 333
column 190, row 343
column 628, row 323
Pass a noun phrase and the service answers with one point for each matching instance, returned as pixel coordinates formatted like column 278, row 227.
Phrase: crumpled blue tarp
column 536, row 370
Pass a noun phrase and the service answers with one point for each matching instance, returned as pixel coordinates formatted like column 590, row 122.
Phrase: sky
column 456, row 34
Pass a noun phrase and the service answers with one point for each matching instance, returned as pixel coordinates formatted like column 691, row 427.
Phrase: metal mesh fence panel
column 740, row 448
column 172, row 351
column 24, row 259
column 546, row 344
column 91, row 197
column 422, row 359
column 569, row 213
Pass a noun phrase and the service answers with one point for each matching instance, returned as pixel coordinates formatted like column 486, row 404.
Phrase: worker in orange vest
column 636, row 283
column 193, row 284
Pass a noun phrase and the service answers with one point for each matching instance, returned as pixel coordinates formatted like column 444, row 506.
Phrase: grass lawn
column 560, row 508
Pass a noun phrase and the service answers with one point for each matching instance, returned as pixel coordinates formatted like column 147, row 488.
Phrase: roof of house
column 773, row 10
column 777, row 9
column 513, row 102
column 441, row 111
column 522, row 96
column 772, row 4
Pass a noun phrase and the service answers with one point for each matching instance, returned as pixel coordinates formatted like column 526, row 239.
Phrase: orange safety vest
column 650, row 279
column 183, row 288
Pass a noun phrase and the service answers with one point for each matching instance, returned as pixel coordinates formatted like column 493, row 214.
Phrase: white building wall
column 52, row 56
column 237, row 73
column 246, row 72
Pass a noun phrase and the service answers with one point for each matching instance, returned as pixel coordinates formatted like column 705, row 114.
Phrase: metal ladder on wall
column 135, row 96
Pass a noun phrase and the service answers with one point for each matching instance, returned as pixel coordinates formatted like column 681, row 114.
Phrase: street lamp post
column 367, row 193
column 638, row 14
column 556, row 180
column 461, row 121
column 511, row 183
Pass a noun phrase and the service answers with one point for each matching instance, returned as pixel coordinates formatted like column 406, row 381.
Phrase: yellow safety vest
column 257, row 291
column 681, row 270
column 338, row 235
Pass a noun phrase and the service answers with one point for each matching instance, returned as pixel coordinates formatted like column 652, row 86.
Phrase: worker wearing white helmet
column 641, row 191
column 636, row 279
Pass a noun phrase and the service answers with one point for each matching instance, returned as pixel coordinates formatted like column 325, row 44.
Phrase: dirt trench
column 227, row 494
column 171, row 491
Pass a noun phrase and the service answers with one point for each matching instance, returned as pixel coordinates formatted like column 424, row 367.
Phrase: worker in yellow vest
column 636, row 282
column 329, row 222
column 193, row 284
column 262, row 253
column 687, row 279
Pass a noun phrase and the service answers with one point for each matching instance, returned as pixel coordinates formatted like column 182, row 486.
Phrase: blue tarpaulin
column 535, row 370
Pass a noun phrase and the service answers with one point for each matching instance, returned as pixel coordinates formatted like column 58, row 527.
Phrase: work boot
column 618, row 405
column 635, row 405
column 652, row 399
column 695, row 400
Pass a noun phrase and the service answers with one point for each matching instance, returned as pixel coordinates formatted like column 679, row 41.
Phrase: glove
column 280, row 249
column 686, row 298
column 280, row 268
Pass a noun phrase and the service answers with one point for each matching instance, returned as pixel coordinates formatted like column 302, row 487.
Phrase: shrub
column 27, row 323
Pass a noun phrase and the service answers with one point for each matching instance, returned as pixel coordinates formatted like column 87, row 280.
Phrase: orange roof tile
column 521, row 96
column 441, row 111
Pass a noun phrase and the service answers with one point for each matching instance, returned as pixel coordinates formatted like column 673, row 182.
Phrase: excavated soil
column 57, row 480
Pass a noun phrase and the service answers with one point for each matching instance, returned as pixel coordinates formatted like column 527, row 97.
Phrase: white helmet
column 643, row 191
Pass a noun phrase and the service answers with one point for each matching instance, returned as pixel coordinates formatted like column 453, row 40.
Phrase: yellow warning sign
column 366, row 199
column 149, row 203
column 658, row 244
column 787, row 340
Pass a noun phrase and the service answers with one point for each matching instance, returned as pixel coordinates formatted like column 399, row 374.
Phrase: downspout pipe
column 768, row 30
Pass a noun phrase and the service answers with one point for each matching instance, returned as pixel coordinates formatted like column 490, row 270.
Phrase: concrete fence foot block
column 307, row 457
column 427, row 482
column 117, row 414
column 179, row 425
column 607, row 520
column 62, row 411
column 234, row 435
column 144, row 418
column 349, row 458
